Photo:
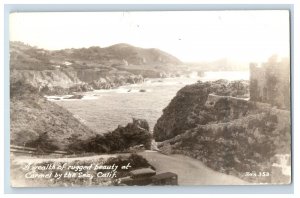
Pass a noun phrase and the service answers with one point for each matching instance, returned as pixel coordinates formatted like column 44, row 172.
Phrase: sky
column 194, row 36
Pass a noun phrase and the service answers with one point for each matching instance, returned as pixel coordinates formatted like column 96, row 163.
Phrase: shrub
column 43, row 143
column 120, row 139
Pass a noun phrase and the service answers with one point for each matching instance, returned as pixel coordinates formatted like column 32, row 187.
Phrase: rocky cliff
column 67, row 81
column 50, row 78
column 229, row 134
column 191, row 107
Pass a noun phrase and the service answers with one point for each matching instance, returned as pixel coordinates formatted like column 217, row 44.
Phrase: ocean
column 104, row 110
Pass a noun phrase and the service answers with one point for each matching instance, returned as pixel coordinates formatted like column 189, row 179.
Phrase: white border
column 296, row 79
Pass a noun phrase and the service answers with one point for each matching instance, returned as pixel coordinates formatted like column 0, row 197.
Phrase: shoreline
column 150, row 82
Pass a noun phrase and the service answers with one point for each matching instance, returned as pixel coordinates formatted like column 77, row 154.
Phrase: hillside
column 33, row 117
column 122, row 54
column 116, row 57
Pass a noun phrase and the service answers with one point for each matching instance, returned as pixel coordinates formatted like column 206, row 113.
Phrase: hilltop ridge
column 121, row 54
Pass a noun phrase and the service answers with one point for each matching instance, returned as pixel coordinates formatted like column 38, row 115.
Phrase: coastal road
column 190, row 171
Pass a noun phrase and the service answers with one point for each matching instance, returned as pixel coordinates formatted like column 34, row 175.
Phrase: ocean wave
column 67, row 98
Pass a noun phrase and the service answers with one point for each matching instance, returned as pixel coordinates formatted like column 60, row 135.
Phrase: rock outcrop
column 229, row 134
column 191, row 107
column 114, row 81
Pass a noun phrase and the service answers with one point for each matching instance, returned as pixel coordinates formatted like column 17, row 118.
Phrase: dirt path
column 190, row 171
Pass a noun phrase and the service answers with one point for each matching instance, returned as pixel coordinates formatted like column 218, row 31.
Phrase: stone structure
column 270, row 83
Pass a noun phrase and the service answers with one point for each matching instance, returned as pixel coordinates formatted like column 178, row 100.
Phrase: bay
column 104, row 110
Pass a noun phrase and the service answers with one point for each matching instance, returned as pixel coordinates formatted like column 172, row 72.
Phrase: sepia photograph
column 150, row 98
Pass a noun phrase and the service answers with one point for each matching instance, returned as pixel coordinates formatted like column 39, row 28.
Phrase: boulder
column 191, row 106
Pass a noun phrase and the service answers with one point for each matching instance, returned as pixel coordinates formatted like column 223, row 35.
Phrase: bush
column 43, row 144
column 21, row 88
column 120, row 139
